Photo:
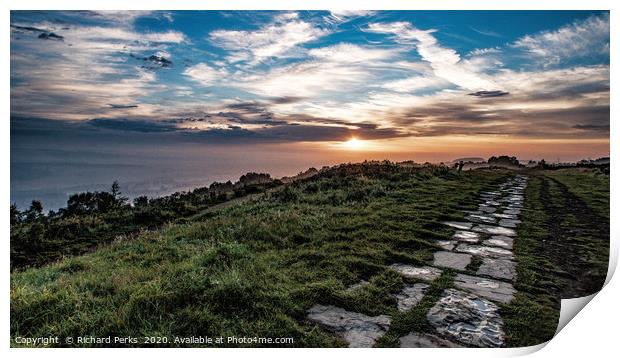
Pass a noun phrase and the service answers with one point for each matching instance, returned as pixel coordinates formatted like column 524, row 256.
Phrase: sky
column 170, row 100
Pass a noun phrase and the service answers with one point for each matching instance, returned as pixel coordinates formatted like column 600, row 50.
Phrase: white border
column 593, row 331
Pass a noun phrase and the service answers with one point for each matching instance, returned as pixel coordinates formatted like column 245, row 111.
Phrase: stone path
column 466, row 315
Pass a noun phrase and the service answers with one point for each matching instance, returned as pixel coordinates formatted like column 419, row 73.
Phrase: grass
column 531, row 318
column 562, row 250
column 255, row 268
column 590, row 185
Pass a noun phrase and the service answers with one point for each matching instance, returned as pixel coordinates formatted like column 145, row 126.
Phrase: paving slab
column 425, row 340
column 466, row 236
column 410, row 296
column 506, row 216
column 504, row 242
column 357, row 329
column 492, row 203
column 492, row 193
column 458, row 224
column 494, row 230
column 467, row 319
column 451, row 260
column 447, row 245
column 481, row 219
column 498, row 268
column 486, row 208
column 512, row 211
column 491, row 289
column 509, row 223
column 426, row 273
column 485, row 251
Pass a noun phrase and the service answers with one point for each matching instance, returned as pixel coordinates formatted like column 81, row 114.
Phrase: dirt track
column 573, row 230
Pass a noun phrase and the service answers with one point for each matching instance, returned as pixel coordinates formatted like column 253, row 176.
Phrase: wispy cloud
column 446, row 62
column 204, row 74
column 276, row 39
column 582, row 38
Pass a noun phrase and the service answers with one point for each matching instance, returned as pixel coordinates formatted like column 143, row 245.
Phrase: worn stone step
column 498, row 268
column 494, row 230
column 426, row 273
column 491, row 289
column 485, row 251
column 425, row 340
column 410, row 296
column 458, row 224
column 467, row 319
column 451, row 260
column 504, row 242
column 466, row 236
column 359, row 330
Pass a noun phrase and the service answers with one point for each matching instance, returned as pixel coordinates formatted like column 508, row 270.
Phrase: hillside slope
column 255, row 268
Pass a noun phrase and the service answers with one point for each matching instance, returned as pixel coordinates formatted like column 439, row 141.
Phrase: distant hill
column 470, row 159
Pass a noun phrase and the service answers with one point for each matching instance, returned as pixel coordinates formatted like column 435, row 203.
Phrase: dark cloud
column 286, row 100
column 143, row 126
column 43, row 34
column 122, row 106
column 488, row 94
column 27, row 28
column 154, row 61
column 469, row 119
column 250, row 113
column 592, row 127
column 248, row 107
column 50, row 36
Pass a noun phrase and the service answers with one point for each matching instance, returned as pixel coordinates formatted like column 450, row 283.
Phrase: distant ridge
column 470, row 159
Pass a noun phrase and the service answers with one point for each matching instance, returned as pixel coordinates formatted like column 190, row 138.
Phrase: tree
column 115, row 190
column 119, row 200
column 504, row 160
column 16, row 215
column 35, row 211
column 81, row 203
column 140, row 201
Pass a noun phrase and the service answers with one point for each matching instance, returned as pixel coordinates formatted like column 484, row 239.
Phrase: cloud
column 488, row 94
column 329, row 69
column 77, row 78
column 104, row 34
column 154, row 61
column 132, row 125
column 122, row 106
column 487, row 32
column 416, row 83
column 43, row 34
column 276, row 39
column 446, row 62
column 349, row 53
column 592, row 127
column 484, row 51
column 204, row 74
column 286, row 100
column 306, row 79
column 584, row 38
column 339, row 16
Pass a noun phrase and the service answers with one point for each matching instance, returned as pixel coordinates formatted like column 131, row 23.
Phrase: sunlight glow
column 354, row 144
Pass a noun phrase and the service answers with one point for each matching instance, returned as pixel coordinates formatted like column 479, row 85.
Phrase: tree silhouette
column 35, row 211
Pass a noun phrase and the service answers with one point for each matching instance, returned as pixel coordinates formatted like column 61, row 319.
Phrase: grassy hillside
column 254, row 268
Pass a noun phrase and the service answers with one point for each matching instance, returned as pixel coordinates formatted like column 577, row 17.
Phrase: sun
column 353, row 144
